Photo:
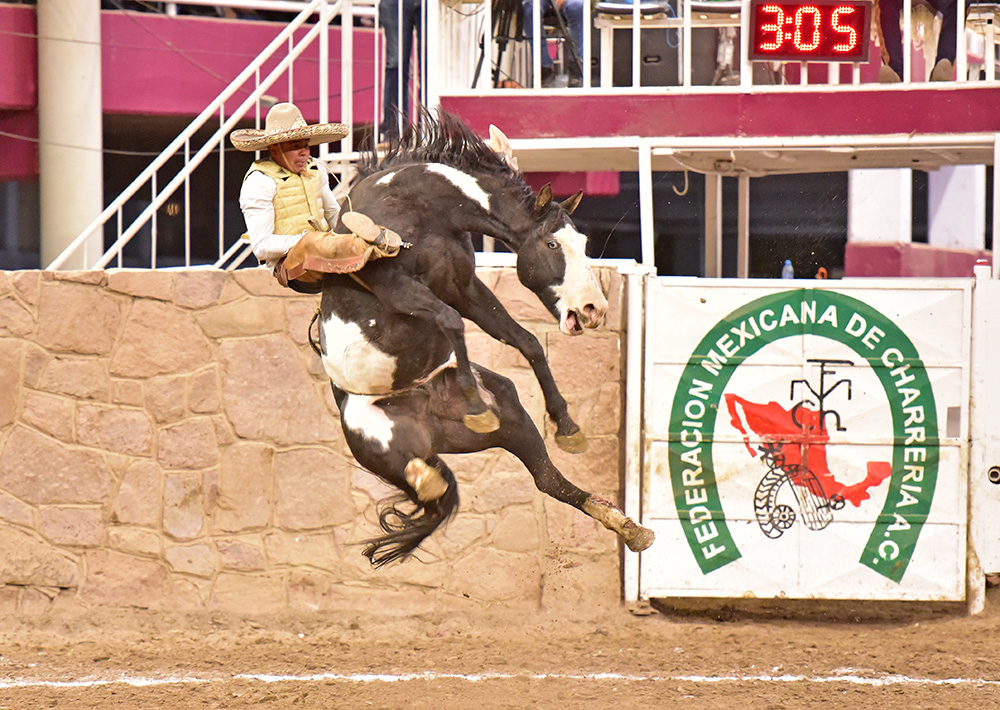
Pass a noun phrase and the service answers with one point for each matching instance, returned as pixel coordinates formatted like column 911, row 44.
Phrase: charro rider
column 289, row 206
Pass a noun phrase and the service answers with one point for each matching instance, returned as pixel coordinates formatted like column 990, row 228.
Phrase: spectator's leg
column 388, row 17
column 890, row 11
column 411, row 24
column 947, row 41
column 529, row 28
column 575, row 12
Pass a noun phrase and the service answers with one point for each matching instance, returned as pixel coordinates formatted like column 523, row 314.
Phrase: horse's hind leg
column 394, row 443
column 518, row 435
column 425, row 479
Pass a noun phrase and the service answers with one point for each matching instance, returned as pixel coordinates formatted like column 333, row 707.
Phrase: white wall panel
column 869, row 504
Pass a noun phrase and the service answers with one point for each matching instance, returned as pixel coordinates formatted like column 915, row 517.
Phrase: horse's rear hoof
column 426, row 480
column 637, row 537
column 482, row 423
column 575, row 443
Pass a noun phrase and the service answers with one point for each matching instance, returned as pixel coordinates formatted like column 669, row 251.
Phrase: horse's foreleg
column 484, row 309
column 413, row 298
column 478, row 416
column 518, row 435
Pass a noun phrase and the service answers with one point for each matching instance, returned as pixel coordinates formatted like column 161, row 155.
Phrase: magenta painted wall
column 175, row 66
column 910, row 260
column 18, row 57
column 20, row 155
column 970, row 107
column 18, row 93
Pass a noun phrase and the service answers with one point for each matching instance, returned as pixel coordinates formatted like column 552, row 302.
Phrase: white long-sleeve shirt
column 257, row 204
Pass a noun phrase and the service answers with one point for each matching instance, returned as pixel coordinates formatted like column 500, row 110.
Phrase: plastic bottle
column 788, row 271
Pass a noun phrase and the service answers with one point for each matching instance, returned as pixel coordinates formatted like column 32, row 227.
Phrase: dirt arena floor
column 738, row 658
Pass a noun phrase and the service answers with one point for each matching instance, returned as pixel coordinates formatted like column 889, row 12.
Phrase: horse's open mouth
column 571, row 324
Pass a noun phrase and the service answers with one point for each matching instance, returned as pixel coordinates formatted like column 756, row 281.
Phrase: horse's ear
column 500, row 144
column 571, row 203
column 544, row 197
column 498, row 141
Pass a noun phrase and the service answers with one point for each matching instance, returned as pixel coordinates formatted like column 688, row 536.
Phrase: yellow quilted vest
column 297, row 199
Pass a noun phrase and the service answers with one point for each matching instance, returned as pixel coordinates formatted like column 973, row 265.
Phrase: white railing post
column 961, row 58
column 430, row 81
column 907, row 42
column 636, row 46
column 746, row 66
column 685, row 9
column 222, row 182
column 324, row 71
column 187, row 208
column 647, row 233
column 153, row 222
column 996, row 203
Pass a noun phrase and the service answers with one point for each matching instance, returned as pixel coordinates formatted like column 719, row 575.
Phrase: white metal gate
column 806, row 439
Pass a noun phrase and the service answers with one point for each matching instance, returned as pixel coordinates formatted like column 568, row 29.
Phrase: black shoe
column 549, row 77
column 942, row 71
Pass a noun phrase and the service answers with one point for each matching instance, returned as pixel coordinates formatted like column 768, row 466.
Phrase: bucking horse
column 391, row 336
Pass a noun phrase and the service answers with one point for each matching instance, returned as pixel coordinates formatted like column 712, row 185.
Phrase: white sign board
column 806, row 439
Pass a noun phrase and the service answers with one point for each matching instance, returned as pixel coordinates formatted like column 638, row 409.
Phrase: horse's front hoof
column 482, row 423
column 575, row 443
column 636, row 537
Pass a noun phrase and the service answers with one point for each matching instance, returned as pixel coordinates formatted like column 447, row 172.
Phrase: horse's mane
column 438, row 137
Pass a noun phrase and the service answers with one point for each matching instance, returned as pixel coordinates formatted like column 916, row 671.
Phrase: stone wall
column 169, row 440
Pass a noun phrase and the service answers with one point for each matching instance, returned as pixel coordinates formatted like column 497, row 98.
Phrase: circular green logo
column 874, row 338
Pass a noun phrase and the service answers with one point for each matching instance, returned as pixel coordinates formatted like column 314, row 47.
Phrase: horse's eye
column 553, row 244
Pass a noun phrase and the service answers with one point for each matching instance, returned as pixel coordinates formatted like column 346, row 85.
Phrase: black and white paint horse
column 392, row 339
column 438, row 189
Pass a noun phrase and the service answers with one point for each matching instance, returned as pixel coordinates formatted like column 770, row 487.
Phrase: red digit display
column 810, row 30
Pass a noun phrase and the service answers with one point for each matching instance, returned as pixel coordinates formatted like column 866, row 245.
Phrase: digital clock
column 810, row 30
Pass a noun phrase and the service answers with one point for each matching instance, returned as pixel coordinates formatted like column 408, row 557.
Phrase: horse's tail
column 407, row 523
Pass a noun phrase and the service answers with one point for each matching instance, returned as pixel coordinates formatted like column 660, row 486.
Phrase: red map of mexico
column 802, row 445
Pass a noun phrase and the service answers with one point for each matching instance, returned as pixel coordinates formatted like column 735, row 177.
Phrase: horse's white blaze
column 354, row 364
column 579, row 287
column 467, row 184
column 361, row 415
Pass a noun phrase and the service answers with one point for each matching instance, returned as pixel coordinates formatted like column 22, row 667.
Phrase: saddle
column 318, row 253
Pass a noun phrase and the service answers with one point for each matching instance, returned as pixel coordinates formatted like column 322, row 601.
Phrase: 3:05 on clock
column 810, row 30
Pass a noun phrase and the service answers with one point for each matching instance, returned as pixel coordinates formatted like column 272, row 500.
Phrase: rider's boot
column 318, row 252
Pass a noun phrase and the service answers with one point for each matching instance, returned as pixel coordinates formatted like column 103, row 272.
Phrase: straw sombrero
column 284, row 122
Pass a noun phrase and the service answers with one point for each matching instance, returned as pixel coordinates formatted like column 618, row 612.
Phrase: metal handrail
column 326, row 10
